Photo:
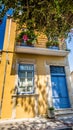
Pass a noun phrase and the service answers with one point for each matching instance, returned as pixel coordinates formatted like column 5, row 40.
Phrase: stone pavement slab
column 32, row 124
column 67, row 120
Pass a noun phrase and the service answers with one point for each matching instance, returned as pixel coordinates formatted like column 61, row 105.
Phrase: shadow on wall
column 26, row 104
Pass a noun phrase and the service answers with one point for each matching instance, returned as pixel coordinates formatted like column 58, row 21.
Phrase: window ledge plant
column 26, row 38
column 52, row 44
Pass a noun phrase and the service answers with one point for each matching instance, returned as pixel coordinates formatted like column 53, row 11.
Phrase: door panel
column 57, row 103
column 64, row 103
column 55, row 88
column 59, row 92
column 61, row 103
column 62, row 86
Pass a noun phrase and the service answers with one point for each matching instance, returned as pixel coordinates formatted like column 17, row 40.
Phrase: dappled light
column 25, row 107
column 34, row 124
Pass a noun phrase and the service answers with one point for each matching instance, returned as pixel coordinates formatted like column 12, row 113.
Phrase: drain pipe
column 7, row 62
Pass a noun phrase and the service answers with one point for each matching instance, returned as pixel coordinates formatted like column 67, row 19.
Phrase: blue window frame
column 57, row 70
column 26, row 78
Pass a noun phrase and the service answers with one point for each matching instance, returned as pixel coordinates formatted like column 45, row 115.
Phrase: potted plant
column 51, row 112
column 26, row 37
column 52, row 44
column 48, row 44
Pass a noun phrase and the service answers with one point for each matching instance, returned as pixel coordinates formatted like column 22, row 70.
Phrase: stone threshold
column 64, row 112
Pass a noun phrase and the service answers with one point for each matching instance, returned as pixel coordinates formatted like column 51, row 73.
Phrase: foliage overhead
column 54, row 17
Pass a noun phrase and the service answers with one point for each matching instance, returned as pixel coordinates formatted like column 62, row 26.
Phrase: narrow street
column 36, row 124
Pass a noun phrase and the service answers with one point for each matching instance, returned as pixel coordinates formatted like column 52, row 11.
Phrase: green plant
column 51, row 108
column 27, row 36
column 51, row 113
column 52, row 43
column 52, row 16
column 55, row 43
column 48, row 43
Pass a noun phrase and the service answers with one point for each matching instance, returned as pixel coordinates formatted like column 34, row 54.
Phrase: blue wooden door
column 59, row 90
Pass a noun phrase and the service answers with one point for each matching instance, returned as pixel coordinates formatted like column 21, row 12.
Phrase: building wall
column 71, row 79
column 6, row 63
column 26, row 105
column 29, row 105
column 72, row 75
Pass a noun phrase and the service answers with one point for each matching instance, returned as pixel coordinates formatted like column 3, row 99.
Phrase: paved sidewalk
column 32, row 124
column 67, row 120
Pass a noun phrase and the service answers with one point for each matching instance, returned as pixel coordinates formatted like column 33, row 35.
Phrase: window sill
column 24, row 95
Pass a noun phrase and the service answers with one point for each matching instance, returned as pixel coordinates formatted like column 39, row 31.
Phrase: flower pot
column 51, row 114
column 30, row 44
column 53, row 47
column 23, row 43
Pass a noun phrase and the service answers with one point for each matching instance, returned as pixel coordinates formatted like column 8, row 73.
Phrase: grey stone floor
column 67, row 120
column 36, row 124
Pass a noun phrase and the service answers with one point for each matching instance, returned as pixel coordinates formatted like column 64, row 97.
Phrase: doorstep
column 66, row 112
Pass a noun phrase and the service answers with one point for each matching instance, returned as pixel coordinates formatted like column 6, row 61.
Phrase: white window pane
column 21, row 74
column 26, row 76
column 22, row 89
column 22, row 79
column 29, row 79
column 29, row 74
column 26, row 67
column 30, row 67
column 21, row 67
column 21, row 84
column 29, row 88
column 30, row 83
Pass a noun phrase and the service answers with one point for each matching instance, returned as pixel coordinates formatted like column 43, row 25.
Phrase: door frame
column 67, row 89
column 49, row 84
column 59, row 89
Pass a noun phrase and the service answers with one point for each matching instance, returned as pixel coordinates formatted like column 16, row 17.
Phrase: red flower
column 25, row 37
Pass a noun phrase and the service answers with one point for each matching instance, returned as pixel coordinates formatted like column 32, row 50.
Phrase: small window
column 57, row 69
column 26, row 78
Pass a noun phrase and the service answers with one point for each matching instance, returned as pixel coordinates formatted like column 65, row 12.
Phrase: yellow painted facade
column 29, row 105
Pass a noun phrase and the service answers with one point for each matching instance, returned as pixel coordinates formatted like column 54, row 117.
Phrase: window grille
column 26, row 78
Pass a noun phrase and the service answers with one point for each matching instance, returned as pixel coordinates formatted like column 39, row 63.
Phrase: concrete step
column 68, row 112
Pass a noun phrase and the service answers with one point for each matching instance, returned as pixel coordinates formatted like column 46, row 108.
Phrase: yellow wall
column 6, row 79
column 41, row 76
column 25, row 106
